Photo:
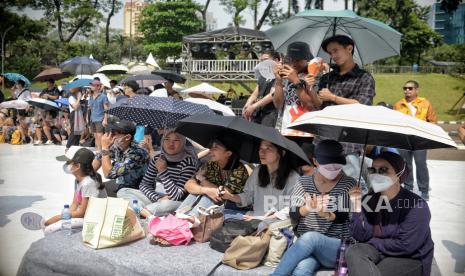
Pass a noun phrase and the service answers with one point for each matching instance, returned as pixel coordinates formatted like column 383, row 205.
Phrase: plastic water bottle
column 66, row 220
column 136, row 207
column 341, row 264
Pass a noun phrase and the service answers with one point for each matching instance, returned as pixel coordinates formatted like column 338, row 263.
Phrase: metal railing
column 223, row 66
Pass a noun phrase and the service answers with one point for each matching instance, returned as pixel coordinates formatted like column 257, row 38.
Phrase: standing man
column 422, row 109
column 98, row 104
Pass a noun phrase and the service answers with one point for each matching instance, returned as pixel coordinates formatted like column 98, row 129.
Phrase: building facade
column 450, row 25
column 132, row 14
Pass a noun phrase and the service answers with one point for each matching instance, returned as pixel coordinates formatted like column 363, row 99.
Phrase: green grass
column 441, row 90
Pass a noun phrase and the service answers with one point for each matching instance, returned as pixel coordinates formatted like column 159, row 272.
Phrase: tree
column 165, row 23
column 112, row 6
column 255, row 5
column 406, row 17
column 235, row 7
column 203, row 10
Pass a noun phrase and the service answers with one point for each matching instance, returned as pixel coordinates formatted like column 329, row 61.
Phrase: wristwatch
column 300, row 84
column 105, row 152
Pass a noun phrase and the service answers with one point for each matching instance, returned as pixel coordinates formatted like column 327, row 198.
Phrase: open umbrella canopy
column 113, row 69
column 213, row 105
column 140, row 69
column 169, row 75
column 78, row 83
column 44, row 104
column 144, row 80
column 80, row 65
column 373, row 125
column 51, row 73
column 204, row 88
column 157, row 112
column 373, row 39
column 15, row 77
column 243, row 136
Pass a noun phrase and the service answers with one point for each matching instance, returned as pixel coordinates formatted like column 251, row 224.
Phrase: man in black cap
column 292, row 87
column 121, row 159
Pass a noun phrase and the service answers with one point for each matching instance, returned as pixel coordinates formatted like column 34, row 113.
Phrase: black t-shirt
column 53, row 92
column 264, row 88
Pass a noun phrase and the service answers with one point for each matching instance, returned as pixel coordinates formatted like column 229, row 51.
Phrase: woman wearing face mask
column 393, row 229
column 314, row 208
column 162, row 188
column 88, row 184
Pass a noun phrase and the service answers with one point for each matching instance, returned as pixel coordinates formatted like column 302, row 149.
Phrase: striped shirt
column 173, row 178
column 338, row 199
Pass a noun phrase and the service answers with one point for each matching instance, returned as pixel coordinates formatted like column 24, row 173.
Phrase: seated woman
column 162, row 190
column 223, row 170
column 394, row 236
column 269, row 184
column 320, row 226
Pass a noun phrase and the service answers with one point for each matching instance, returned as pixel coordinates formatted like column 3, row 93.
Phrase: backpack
column 221, row 238
column 16, row 138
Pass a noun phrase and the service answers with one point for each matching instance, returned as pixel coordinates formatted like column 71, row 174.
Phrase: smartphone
column 285, row 61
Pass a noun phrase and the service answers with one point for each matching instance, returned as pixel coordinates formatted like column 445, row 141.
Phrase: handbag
column 109, row 222
column 210, row 219
column 221, row 238
column 247, row 252
column 278, row 242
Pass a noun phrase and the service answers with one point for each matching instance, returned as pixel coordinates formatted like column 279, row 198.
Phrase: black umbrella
column 155, row 111
column 243, row 136
column 144, row 80
column 169, row 75
column 44, row 104
column 80, row 66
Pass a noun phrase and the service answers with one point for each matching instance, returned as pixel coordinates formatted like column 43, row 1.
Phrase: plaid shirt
column 356, row 84
column 128, row 167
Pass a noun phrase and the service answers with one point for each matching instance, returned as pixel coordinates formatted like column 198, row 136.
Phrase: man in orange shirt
column 422, row 109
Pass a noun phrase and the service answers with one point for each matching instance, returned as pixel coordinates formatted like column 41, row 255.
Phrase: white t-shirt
column 87, row 188
column 23, row 95
column 72, row 100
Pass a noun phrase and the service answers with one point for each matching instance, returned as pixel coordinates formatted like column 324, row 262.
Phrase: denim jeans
column 307, row 254
column 187, row 206
column 422, row 174
column 365, row 260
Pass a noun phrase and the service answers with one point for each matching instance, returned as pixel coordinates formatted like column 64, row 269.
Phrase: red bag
column 172, row 229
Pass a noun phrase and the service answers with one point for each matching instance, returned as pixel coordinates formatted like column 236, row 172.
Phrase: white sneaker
column 49, row 142
column 38, row 142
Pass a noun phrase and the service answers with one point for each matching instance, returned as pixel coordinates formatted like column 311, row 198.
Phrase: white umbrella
column 373, row 125
column 103, row 79
column 113, row 69
column 141, row 69
column 17, row 104
column 159, row 93
column 216, row 106
column 204, row 88
column 177, row 87
column 151, row 61
column 92, row 57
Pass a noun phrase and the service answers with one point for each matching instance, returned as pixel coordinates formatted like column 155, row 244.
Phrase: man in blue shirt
column 98, row 103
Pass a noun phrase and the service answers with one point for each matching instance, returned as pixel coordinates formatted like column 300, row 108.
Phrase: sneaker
column 49, row 142
column 425, row 196
column 37, row 143
column 32, row 221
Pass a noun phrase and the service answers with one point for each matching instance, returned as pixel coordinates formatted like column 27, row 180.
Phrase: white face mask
column 330, row 171
column 67, row 168
column 379, row 182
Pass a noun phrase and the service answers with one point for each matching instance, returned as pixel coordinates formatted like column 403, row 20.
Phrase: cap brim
column 323, row 160
column 62, row 158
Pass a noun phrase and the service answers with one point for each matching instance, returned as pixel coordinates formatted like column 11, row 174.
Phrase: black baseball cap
column 123, row 127
column 78, row 155
column 329, row 152
column 299, row 50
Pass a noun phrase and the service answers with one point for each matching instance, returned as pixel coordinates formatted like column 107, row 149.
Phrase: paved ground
column 31, row 180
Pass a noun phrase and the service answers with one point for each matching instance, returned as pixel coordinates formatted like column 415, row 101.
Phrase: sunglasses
column 382, row 170
column 408, row 88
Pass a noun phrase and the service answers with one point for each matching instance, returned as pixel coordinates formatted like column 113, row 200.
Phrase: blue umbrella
column 156, row 112
column 62, row 101
column 373, row 39
column 80, row 66
column 78, row 83
column 16, row 77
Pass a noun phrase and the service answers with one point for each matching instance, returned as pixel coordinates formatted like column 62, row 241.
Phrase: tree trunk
column 204, row 15
column 265, row 14
column 57, row 4
column 107, row 27
column 346, row 4
column 289, row 4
